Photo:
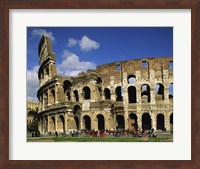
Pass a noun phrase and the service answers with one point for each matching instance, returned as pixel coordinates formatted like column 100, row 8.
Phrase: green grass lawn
column 89, row 139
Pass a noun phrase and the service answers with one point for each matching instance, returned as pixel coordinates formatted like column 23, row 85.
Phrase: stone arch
column 132, row 94
column 101, row 122
column 99, row 80
column 87, row 122
column 46, row 125
column 118, row 92
column 131, row 79
column 146, row 121
column 67, row 89
column 46, row 72
column 76, row 95
column 120, row 122
column 77, row 109
column 159, row 91
column 160, row 122
column 52, row 96
column 86, row 92
column 107, row 93
column 133, row 125
column 145, row 93
column 77, row 113
column 45, row 99
column 52, row 124
column 61, row 123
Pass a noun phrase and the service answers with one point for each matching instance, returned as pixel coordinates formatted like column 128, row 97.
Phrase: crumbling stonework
column 133, row 94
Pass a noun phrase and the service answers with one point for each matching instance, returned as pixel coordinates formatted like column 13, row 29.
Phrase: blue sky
column 88, row 47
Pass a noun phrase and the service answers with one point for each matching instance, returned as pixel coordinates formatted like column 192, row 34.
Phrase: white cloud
column 32, row 83
column 86, row 44
column 39, row 32
column 71, row 65
column 72, row 42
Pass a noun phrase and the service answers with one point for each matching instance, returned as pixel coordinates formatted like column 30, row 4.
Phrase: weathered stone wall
column 132, row 94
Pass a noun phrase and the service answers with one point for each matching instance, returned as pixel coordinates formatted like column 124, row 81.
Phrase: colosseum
column 133, row 94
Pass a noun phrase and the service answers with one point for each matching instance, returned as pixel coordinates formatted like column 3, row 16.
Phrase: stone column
column 66, row 117
column 48, row 125
column 48, row 96
column 43, row 101
column 138, row 94
column 139, row 118
column 112, row 89
column 56, row 122
column 81, row 123
column 94, row 123
column 152, row 94
column 167, row 121
column 154, row 120
column 56, row 93
column 166, row 94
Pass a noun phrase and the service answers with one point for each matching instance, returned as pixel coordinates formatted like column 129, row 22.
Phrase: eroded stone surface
column 133, row 94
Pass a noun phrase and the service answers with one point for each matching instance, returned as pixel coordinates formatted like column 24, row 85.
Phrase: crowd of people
column 98, row 133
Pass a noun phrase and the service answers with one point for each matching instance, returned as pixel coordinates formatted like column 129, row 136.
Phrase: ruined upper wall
column 132, row 67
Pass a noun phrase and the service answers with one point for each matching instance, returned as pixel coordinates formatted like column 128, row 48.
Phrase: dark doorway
column 133, row 121
column 87, row 122
column 76, row 95
column 118, row 92
column 107, row 93
column 171, row 119
column 86, row 91
column 146, row 121
column 132, row 94
column 120, row 122
column 160, row 122
column 101, row 123
column 77, row 122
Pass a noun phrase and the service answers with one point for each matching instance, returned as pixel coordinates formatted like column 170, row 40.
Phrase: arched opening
column 77, row 122
column 45, row 99
column 131, row 79
column 76, row 95
column 120, row 122
column 61, row 123
column 68, row 95
column 46, row 125
column 100, row 91
column 171, row 65
column 99, row 81
column 118, row 92
column 159, row 91
column 145, row 93
column 52, row 124
column 146, row 121
column 52, row 96
column 171, row 91
column 132, row 94
column 87, row 120
column 77, row 109
column 77, row 112
column 107, row 93
column 101, row 123
column 171, row 119
column 144, row 64
column 86, row 92
column 46, row 73
column 67, row 89
column 160, row 122
column 66, row 85
column 133, row 121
